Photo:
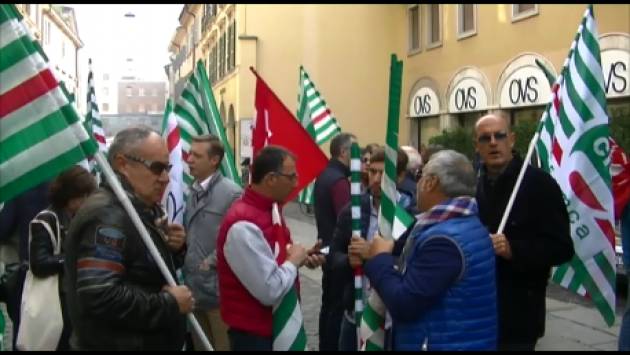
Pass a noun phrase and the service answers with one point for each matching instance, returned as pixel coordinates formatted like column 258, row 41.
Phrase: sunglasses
column 156, row 167
column 487, row 138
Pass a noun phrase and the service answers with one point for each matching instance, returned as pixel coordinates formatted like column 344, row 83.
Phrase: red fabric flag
column 275, row 124
column 620, row 171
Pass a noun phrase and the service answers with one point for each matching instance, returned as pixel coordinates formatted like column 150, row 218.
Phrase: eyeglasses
column 374, row 171
column 487, row 138
column 293, row 176
column 156, row 167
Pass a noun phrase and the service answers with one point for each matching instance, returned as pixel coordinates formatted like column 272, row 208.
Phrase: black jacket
column 114, row 288
column 539, row 235
column 325, row 216
column 43, row 261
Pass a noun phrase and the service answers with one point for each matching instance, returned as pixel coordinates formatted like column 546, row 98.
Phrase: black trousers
column 517, row 346
column 244, row 341
column 330, row 315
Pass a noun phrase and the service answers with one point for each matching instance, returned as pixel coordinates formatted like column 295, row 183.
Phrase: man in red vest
column 256, row 266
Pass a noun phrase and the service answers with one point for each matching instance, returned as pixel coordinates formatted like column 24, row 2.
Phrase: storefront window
column 619, row 111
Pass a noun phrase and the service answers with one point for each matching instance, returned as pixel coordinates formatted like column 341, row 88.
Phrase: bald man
column 536, row 236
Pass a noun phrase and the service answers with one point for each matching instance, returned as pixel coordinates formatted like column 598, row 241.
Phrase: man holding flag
column 536, row 236
column 332, row 193
column 443, row 295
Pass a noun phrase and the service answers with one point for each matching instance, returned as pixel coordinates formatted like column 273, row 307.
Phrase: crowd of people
column 451, row 282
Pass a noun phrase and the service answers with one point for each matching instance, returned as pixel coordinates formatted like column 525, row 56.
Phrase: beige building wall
column 346, row 51
column 498, row 42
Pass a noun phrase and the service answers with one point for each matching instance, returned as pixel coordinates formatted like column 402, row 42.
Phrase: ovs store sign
column 467, row 96
column 424, row 103
column 616, row 68
column 526, row 86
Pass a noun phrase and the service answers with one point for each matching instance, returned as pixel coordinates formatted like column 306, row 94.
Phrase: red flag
column 620, row 171
column 275, row 124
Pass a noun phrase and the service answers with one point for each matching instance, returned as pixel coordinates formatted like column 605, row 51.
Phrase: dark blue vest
column 325, row 216
column 466, row 317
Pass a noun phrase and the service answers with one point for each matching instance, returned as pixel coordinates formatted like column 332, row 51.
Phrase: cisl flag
column 275, row 124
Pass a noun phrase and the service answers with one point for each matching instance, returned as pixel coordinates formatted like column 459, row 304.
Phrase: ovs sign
column 467, row 96
column 526, row 86
column 616, row 68
column 424, row 103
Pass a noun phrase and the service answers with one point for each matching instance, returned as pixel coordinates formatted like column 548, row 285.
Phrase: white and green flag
column 93, row 123
column 288, row 323
column 573, row 147
column 197, row 114
column 393, row 220
column 41, row 134
column 316, row 117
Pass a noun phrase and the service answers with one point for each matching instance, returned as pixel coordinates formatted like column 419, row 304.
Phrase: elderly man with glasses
column 536, row 236
column 257, row 261
column 117, row 297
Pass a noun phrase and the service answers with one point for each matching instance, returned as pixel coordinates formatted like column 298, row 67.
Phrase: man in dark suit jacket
column 536, row 237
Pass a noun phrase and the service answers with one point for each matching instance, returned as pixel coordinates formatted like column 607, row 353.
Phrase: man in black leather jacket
column 117, row 297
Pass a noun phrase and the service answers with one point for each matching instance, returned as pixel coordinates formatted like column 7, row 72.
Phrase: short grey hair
column 128, row 140
column 455, row 172
column 415, row 159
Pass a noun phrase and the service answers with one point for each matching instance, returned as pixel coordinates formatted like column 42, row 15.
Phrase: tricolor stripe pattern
column 316, row 117
column 574, row 148
column 177, row 191
column 197, row 114
column 40, row 131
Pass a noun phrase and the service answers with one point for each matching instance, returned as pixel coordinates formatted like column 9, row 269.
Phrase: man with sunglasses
column 210, row 197
column 117, row 296
column 536, row 236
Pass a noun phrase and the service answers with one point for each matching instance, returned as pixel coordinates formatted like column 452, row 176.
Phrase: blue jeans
column 347, row 336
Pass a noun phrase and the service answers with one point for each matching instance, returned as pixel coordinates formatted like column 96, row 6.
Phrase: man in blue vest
column 443, row 295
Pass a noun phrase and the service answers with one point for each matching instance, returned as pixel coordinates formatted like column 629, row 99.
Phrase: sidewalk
column 570, row 326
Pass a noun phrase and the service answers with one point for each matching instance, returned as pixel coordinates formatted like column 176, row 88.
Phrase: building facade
column 55, row 28
column 459, row 60
column 466, row 60
column 141, row 97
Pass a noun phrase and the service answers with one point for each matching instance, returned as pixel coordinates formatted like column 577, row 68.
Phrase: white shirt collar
column 204, row 184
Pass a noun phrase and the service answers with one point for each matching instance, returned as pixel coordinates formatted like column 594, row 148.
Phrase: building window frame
column 411, row 50
column 460, row 22
column 429, row 14
column 518, row 16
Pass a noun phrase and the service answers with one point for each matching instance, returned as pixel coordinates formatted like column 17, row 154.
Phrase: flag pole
column 122, row 196
column 532, row 143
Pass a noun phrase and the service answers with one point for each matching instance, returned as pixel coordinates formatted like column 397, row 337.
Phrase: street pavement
column 572, row 322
